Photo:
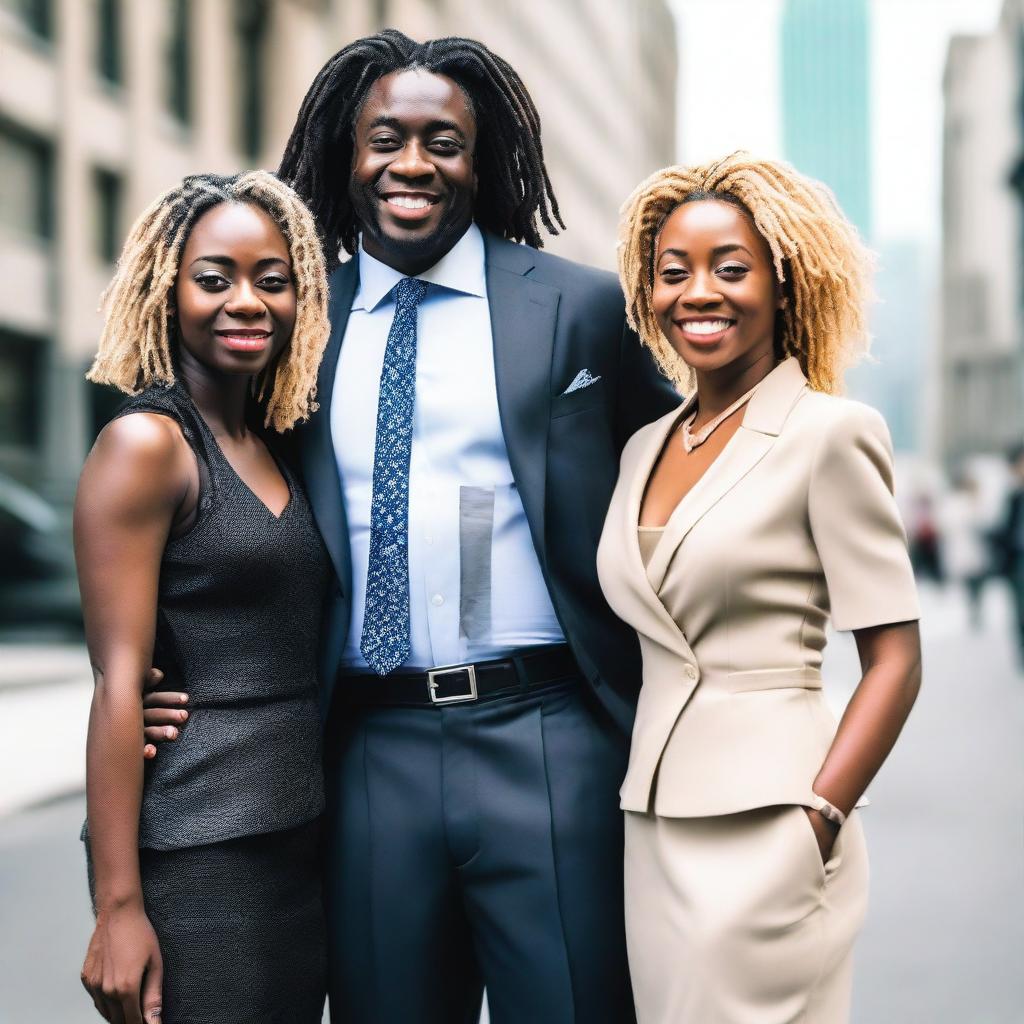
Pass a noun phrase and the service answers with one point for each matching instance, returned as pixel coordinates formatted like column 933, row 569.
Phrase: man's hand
column 163, row 713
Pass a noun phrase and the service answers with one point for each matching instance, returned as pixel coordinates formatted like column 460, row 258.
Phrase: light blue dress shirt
column 475, row 584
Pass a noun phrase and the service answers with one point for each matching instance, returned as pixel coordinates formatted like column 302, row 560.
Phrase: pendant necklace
column 693, row 440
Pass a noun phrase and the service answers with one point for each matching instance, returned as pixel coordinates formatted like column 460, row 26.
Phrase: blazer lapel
column 762, row 422
column 323, row 483
column 637, row 602
column 524, row 313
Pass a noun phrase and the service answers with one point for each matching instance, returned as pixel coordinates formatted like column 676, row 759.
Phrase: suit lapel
column 762, row 421
column 323, row 483
column 644, row 604
column 523, row 317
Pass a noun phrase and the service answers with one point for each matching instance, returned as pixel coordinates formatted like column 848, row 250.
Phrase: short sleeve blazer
column 794, row 523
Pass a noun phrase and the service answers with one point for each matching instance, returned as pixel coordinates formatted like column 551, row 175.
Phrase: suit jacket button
column 691, row 671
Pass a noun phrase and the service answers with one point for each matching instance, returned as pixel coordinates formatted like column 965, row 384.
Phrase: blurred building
column 104, row 103
column 981, row 407
column 826, row 96
column 894, row 378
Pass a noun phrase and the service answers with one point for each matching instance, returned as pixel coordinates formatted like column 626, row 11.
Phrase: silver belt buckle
column 457, row 698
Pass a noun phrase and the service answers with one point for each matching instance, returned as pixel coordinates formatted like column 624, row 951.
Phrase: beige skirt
column 735, row 920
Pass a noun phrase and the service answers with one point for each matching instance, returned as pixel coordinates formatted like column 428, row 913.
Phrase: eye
column 446, row 147
column 211, row 281
column 733, row 270
column 274, row 282
column 672, row 274
column 385, row 141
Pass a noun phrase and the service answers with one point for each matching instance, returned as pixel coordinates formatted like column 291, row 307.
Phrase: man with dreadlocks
column 475, row 396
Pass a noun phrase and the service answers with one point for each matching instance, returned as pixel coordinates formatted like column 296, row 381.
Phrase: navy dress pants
column 477, row 844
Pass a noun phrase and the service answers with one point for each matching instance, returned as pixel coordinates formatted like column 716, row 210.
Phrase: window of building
column 178, row 65
column 108, row 40
column 107, row 196
column 251, row 21
column 26, row 183
column 36, row 15
column 21, row 389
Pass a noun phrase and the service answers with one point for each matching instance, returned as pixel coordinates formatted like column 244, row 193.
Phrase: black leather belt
column 533, row 669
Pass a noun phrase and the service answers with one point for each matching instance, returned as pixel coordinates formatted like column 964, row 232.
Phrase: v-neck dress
column 229, row 825
column 730, row 913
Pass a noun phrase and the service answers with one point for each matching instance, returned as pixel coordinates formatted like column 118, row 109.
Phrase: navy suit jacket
column 550, row 318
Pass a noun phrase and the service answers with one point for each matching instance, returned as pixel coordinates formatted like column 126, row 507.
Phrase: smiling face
column 413, row 184
column 715, row 293
column 234, row 299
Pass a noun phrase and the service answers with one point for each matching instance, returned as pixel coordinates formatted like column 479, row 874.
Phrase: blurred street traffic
column 946, row 924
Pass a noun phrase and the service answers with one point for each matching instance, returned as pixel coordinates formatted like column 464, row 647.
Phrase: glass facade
column 826, row 96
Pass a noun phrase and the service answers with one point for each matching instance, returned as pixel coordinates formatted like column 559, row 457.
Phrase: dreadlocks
column 514, row 189
column 820, row 261
column 135, row 347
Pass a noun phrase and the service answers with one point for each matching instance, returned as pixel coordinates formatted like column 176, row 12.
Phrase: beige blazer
column 793, row 522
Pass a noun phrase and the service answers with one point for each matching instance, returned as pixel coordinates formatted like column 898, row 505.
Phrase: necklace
column 693, row 440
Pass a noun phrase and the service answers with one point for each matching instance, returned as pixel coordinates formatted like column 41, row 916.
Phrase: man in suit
column 474, row 398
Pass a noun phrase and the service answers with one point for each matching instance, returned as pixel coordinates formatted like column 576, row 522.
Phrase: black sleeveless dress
column 229, row 827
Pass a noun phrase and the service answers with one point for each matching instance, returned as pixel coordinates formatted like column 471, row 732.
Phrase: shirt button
column 691, row 671
column 437, row 600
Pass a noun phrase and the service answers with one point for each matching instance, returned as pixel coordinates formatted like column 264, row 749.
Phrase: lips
column 409, row 205
column 704, row 330
column 243, row 340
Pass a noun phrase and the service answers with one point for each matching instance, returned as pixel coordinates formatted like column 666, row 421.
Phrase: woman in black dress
column 198, row 552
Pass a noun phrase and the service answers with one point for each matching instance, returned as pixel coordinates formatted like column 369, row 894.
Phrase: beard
column 457, row 217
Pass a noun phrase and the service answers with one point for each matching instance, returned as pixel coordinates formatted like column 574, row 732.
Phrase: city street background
column 912, row 111
column 945, row 927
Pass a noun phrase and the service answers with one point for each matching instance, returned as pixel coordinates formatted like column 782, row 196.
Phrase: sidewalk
column 45, row 692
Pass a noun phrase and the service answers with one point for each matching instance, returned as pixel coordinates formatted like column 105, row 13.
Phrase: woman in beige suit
column 742, row 522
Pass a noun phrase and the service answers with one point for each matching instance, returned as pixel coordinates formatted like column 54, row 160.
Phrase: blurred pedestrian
column 743, row 523
column 196, row 546
column 1009, row 541
column 962, row 538
column 923, row 538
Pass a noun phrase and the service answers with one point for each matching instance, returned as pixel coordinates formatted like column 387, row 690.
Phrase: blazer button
column 691, row 671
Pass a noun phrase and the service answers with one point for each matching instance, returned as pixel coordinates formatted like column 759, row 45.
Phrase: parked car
column 37, row 566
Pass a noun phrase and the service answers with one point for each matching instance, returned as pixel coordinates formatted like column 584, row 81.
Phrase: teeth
column 409, row 202
column 706, row 326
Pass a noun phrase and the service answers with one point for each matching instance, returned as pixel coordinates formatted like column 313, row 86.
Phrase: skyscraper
column 826, row 98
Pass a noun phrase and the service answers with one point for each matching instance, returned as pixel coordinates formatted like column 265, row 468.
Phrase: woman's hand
column 825, row 832
column 123, row 971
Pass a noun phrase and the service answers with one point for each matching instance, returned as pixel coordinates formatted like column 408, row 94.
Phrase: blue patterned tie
column 385, row 639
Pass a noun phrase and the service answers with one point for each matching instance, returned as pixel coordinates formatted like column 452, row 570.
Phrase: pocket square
column 583, row 379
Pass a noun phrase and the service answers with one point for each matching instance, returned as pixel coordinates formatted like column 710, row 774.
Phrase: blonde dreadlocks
column 820, row 261
column 135, row 349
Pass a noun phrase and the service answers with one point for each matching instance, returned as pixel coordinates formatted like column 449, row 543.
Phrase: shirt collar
column 461, row 269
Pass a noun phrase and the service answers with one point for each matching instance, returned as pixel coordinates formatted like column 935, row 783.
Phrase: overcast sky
column 729, row 93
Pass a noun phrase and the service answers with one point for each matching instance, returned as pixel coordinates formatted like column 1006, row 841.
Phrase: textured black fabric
column 239, row 610
column 241, row 928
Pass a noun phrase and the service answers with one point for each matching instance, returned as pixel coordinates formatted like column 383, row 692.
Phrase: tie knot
column 410, row 292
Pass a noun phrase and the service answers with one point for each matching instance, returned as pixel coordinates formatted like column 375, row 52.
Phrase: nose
column 412, row 161
column 702, row 291
column 244, row 301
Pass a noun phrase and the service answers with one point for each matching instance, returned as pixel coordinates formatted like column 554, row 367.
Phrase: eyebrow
column 438, row 125
column 227, row 261
column 719, row 250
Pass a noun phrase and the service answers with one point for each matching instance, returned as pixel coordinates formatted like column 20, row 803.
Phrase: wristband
column 829, row 811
